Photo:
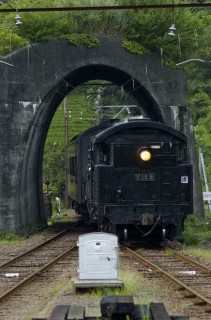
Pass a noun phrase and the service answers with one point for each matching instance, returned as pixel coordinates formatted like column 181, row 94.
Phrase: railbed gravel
column 62, row 292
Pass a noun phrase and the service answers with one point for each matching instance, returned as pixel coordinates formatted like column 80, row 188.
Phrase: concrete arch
column 36, row 85
column 129, row 84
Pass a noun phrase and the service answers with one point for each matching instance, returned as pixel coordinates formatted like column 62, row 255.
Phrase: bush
column 9, row 237
column 196, row 231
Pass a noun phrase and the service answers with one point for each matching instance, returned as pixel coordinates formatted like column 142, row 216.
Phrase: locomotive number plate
column 145, row 176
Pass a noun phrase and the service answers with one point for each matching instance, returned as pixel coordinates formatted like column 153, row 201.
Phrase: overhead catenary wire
column 103, row 8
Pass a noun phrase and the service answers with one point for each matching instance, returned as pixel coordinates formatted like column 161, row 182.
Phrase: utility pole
column 98, row 104
column 66, row 115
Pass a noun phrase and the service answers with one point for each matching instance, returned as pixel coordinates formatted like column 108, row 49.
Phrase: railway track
column 192, row 279
column 29, row 275
column 40, row 264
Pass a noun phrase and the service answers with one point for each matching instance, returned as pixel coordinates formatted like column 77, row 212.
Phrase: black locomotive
column 131, row 178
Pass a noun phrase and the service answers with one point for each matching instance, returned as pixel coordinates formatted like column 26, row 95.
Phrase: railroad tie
column 59, row 312
column 158, row 312
column 76, row 312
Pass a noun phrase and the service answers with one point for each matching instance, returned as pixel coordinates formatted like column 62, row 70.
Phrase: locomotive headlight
column 145, row 155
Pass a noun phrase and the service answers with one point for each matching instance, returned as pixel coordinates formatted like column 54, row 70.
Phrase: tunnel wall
column 35, row 79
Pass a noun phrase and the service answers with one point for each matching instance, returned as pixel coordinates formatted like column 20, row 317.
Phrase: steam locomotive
column 132, row 178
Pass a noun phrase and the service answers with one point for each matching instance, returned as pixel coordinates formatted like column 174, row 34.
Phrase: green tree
column 148, row 28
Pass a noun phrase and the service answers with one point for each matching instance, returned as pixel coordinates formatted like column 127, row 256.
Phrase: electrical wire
column 111, row 7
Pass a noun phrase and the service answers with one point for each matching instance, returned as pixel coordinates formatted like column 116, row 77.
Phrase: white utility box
column 98, row 256
column 98, row 260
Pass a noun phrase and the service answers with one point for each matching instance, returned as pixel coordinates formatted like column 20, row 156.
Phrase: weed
column 196, row 231
column 169, row 253
column 199, row 252
column 145, row 312
column 58, row 287
column 132, row 286
column 160, row 262
column 36, row 228
column 140, row 251
column 6, row 237
column 186, row 305
column 61, row 218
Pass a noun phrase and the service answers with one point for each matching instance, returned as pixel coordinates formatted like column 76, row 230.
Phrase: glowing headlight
column 145, row 155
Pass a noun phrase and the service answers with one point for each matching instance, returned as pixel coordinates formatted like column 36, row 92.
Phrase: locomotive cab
column 133, row 178
column 140, row 181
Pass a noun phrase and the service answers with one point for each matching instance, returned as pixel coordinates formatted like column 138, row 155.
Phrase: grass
column 197, row 231
column 6, row 237
column 197, row 237
column 12, row 238
column 199, row 252
column 208, row 215
column 58, row 287
column 186, row 306
column 62, row 217
column 132, row 286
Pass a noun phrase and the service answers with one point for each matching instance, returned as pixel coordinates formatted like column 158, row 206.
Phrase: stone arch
column 32, row 91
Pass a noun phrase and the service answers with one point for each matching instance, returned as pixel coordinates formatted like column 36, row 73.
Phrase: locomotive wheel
column 163, row 235
column 125, row 234
column 104, row 225
column 171, row 232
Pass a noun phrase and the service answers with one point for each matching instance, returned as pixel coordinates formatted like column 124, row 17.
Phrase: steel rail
column 6, row 264
column 172, row 278
column 103, row 8
column 29, row 278
column 192, row 262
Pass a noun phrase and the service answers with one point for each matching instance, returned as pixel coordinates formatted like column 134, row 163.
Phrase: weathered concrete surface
column 31, row 92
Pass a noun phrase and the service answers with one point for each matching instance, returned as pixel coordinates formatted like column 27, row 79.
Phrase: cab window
column 102, row 153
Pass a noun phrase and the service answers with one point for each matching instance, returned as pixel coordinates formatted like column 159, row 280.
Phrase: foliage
column 80, row 117
column 198, row 252
column 62, row 218
column 82, row 114
column 6, row 237
column 83, row 39
column 196, row 231
column 58, row 287
column 36, row 28
column 132, row 284
column 53, row 165
column 141, row 29
column 200, row 104
column 10, row 41
column 134, row 47
column 36, row 228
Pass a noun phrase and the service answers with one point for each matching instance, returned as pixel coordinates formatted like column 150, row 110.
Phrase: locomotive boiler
column 132, row 178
